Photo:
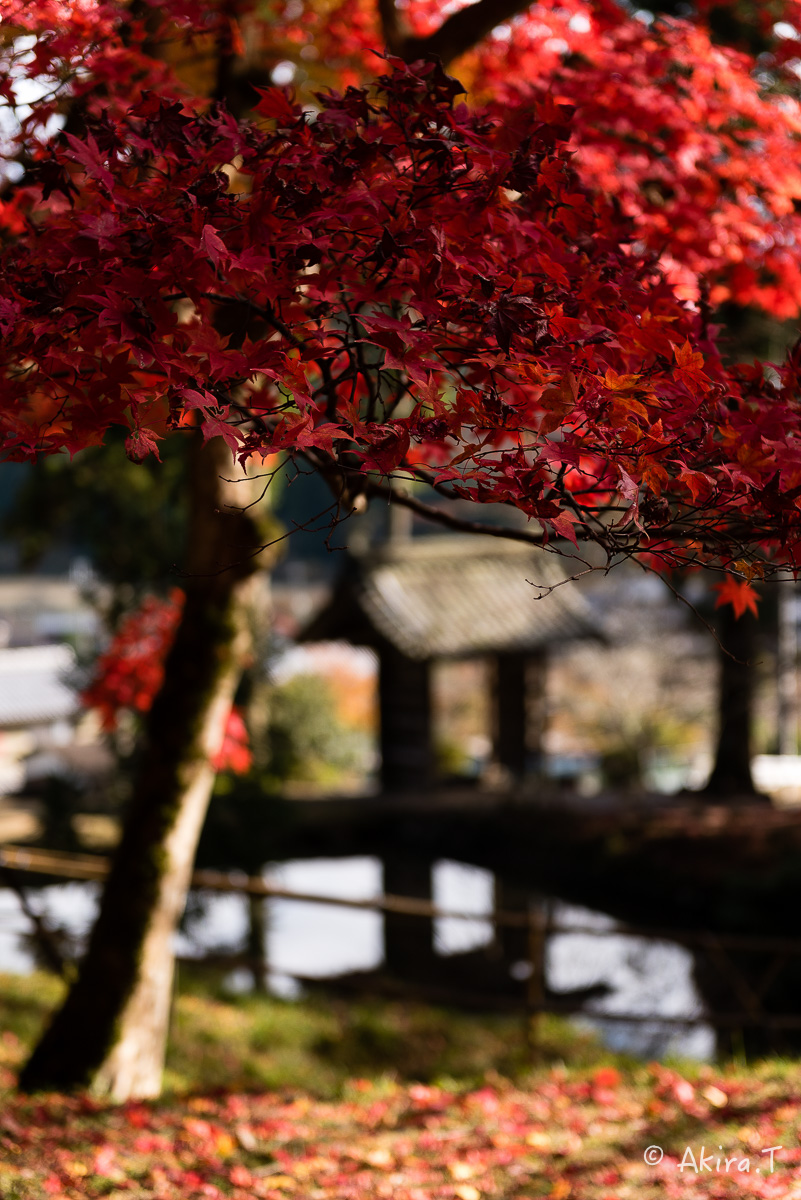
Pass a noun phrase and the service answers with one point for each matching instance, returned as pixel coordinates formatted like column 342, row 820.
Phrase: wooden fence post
column 538, row 919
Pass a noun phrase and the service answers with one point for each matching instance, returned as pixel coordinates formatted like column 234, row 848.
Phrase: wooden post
column 257, row 941
column 404, row 687
column 408, row 940
column 407, row 764
column 517, row 711
column 512, row 941
column 539, row 919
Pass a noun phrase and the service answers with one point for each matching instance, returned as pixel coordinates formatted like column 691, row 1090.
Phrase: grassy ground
column 254, row 1042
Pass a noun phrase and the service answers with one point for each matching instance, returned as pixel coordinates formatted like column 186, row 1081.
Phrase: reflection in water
column 646, row 976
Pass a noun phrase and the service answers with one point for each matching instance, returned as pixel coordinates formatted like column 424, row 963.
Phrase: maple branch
column 431, row 512
column 336, row 474
column 391, row 28
column 457, row 34
column 265, row 311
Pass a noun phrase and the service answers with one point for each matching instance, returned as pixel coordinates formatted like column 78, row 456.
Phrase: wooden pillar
column 518, row 716
column 786, row 665
column 408, row 941
column 404, row 685
column 257, row 941
column 731, row 774
column 407, row 764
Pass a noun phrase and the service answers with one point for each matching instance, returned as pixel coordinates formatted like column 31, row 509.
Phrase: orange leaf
column 607, row 1077
column 690, row 368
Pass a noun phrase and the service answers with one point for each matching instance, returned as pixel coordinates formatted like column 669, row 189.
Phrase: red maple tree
column 425, row 289
column 505, row 298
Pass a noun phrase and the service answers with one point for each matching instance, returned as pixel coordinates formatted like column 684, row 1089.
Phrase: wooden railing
column 18, row 860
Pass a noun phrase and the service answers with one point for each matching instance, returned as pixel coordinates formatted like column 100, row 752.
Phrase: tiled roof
column 451, row 596
column 32, row 687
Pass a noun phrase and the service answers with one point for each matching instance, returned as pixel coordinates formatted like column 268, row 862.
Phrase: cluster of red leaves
column 129, row 674
column 235, row 753
column 685, row 133
column 89, row 52
column 679, row 131
column 581, row 1137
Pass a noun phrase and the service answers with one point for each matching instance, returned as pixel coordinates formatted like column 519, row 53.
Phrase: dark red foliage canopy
column 398, row 283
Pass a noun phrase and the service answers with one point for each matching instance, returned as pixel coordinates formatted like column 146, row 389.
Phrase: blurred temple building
column 420, row 601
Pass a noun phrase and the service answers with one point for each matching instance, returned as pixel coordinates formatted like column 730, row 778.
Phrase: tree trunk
column 731, row 775
column 110, row 1034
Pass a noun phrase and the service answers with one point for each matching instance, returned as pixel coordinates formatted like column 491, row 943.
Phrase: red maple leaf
column 140, row 443
column 739, row 594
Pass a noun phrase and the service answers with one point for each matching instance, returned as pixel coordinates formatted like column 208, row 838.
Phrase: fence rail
column 16, row 860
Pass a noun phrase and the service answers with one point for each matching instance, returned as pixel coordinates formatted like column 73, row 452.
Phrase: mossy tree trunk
column 110, row 1033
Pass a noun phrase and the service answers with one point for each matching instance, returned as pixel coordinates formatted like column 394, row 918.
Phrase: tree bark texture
column 110, row 1033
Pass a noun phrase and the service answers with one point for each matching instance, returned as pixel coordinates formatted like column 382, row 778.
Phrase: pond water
column 646, row 976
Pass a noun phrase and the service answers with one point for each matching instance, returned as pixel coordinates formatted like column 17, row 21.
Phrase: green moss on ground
column 255, row 1042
